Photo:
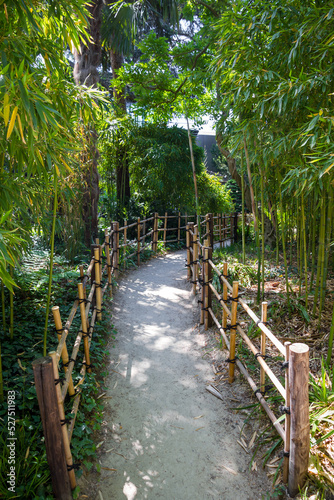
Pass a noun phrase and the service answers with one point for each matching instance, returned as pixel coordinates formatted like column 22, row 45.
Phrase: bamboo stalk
column 328, row 232
column 224, row 313
column 3, row 307
column 165, row 228
column 263, row 346
column 195, row 259
column 68, row 453
column 138, row 241
column 305, row 253
column 233, row 331
column 287, row 417
column 107, row 251
column 321, row 253
column 179, row 228
column 220, row 230
column 125, row 243
column 98, row 283
column 64, row 352
column 11, row 309
column 1, row 379
column 283, row 244
column 262, row 235
column 84, row 325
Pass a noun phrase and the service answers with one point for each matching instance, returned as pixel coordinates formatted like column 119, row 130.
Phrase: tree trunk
column 85, row 73
column 122, row 167
column 270, row 236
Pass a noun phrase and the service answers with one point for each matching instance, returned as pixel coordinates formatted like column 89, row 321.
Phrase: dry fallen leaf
column 100, row 444
column 254, row 466
column 242, row 446
column 251, row 442
column 108, row 468
column 230, row 470
column 195, row 418
column 199, row 428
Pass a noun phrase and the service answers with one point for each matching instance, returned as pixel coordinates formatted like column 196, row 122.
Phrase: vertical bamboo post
column 263, row 346
column 68, row 453
column 224, row 229
column 207, row 228
column 179, row 228
column 52, row 429
column 233, row 331
column 125, row 242
column 144, row 232
column 84, row 326
column 165, row 228
column 209, row 292
column 195, row 259
column 82, row 276
column 64, row 353
column 299, row 417
column 138, row 241
column 97, row 243
column 191, row 246
column 206, row 284
column 107, row 252
column 286, row 451
column 220, row 229
column 116, row 248
column 98, row 284
column 155, row 235
column 188, row 251
column 211, row 232
column 225, row 294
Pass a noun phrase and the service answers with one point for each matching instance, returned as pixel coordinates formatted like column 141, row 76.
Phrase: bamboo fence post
column 211, row 230
column 138, row 241
column 207, row 228
column 209, row 291
column 125, row 242
column 220, row 229
column 233, row 331
column 188, row 251
column 299, row 417
column 178, row 228
column 84, row 326
column 97, row 243
column 195, row 259
column 263, row 346
column 116, row 248
column 52, row 429
column 107, row 252
column 144, row 232
column 155, row 235
column 165, row 228
column 206, row 284
column 224, row 229
column 82, row 276
column 63, row 422
column 225, row 294
column 98, row 284
column 191, row 247
column 286, row 451
column 64, row 353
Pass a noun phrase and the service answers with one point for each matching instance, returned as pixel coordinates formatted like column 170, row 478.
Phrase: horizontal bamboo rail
column 295, row 393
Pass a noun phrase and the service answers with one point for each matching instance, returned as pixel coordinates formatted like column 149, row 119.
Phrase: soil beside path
column 165, row 435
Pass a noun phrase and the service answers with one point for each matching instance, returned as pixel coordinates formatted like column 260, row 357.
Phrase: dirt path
column 165, row 435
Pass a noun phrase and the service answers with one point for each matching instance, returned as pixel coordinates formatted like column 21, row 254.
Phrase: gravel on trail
column 165, row 437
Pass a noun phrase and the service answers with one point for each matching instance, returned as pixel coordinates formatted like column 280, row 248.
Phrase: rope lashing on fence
column 266, row 388
column 265, row 323
column 81, row 278
column 284, row 365
column 87, row 366
column 284, row 409
column 232, row 361
column 73, row 467
column 66, row 420
column 59, row 381
column 71, row 360
column 83, row 301
column 231, row 327
column 263, row 356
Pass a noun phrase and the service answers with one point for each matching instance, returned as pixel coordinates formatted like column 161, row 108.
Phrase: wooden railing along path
column 296, row 430
column 121, row 244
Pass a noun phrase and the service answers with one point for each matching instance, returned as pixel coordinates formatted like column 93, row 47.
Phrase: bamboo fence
column 295, row 431
column 56, row 382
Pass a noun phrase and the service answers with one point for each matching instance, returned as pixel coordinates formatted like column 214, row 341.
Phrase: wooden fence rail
column 55, row 381
column 295, row 432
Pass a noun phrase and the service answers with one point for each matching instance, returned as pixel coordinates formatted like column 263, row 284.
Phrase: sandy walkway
column 173, row 439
